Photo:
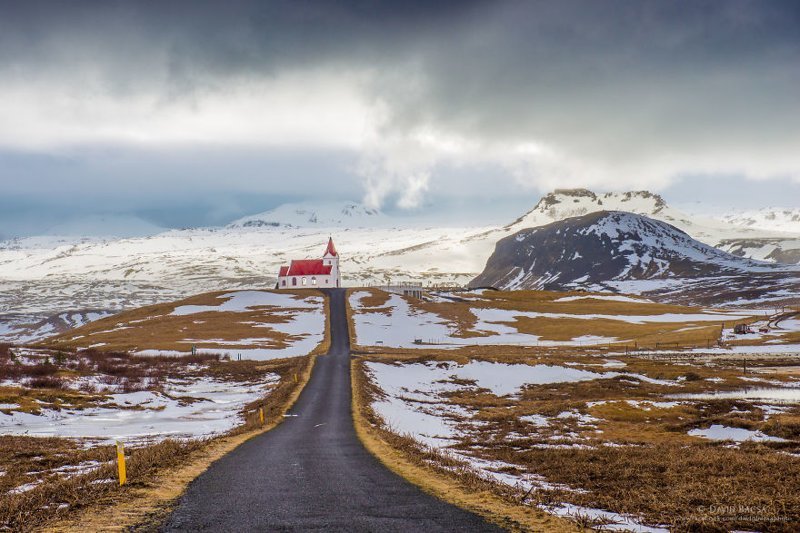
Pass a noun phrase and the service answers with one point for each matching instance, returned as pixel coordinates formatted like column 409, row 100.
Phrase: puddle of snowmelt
column 505, row 315
column 608, row 297
column 776, row 395
column 720, row 432
column 147, row 415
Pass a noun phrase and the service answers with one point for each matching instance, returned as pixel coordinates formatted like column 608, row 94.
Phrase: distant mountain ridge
column 598, row 249
column 567, row 203
column 304, row 215
column 758, row 240
column 44, row 276
column 769, row 218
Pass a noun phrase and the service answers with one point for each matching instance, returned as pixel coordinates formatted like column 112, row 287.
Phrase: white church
column 310, row 273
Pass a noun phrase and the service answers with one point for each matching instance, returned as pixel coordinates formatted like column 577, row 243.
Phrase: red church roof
column 284, row 270
column 306, row 267
column 331, row 249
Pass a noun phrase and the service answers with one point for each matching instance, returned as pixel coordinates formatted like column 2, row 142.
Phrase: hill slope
column 42, row 277
column 625, row 251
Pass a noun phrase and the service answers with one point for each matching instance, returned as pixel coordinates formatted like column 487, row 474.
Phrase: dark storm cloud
column 619, row 93
column 201, row 41
column 527, row 68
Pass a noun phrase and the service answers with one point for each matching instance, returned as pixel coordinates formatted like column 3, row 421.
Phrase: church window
column 294, row 281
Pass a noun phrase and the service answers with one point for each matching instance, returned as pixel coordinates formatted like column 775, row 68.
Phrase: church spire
column 331, row 249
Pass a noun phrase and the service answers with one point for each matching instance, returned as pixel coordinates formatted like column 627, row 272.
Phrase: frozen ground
column 412, row 404
column 298, row 321
column 183, row 409
column 44, row 276
column 398, row 324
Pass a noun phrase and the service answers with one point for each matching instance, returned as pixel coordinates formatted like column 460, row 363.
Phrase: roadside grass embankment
column 623, row 442
column 157, row 473
column 439, row 475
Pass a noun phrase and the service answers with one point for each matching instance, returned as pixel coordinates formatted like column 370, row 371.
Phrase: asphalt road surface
column 311, row 472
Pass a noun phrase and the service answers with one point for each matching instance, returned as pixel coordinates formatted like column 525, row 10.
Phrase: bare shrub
column 45, row 382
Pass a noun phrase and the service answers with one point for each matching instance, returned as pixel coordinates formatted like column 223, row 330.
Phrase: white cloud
column 308, row 109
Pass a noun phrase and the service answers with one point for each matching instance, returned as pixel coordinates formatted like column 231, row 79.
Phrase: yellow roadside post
column 295, row 377
column 261, row 415
column 123, row 475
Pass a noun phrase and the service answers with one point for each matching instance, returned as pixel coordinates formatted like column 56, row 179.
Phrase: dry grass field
column 625, row 443
column 542, row 318
column 208, row 327
column 90, row 383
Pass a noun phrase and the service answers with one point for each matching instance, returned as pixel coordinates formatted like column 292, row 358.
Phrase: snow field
column 185, row 409
column 400, row 325
column 408, row 407
column 302, row 328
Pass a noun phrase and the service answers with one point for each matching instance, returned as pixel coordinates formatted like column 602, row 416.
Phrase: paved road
column 312, row 473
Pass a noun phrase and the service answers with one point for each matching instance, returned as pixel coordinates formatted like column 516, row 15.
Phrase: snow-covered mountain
column 612, row 249
column 567, row 203
column 46, row 276
column 763, row 241
column 770, row 219
column 306, row 215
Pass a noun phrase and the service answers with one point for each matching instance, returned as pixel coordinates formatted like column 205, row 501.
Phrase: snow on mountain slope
column 769, row 218
column 306, row 215
column 595, row 250
column 772, row 235
column 45, row 276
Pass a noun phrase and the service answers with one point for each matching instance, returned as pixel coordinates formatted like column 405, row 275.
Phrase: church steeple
column 331, row 249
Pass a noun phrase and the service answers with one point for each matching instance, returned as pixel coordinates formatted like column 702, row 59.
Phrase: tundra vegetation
column 629, row 441
column 44, row 479
column 687, row 439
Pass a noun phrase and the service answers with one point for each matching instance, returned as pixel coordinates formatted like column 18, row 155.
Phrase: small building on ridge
column 312, row 273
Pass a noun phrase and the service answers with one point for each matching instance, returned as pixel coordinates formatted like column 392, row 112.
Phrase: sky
column 195, row 113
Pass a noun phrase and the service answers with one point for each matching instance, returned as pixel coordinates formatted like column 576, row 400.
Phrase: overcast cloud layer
column 145, row 104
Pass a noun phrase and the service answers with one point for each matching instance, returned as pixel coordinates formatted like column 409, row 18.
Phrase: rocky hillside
column 767, row 235
column 614, row 250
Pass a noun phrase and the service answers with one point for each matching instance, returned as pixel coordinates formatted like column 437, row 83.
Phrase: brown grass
column 439, row 476
column 675, row 484
column 154, row 328
column 157, row 474
column 655, row 470
column 653, row 335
